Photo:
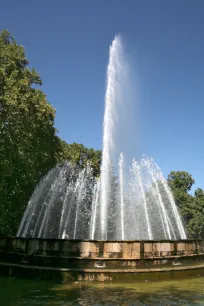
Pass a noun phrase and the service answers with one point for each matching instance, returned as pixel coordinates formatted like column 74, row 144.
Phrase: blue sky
column 67, row 42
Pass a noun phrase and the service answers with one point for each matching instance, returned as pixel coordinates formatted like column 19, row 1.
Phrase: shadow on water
column 21, row 292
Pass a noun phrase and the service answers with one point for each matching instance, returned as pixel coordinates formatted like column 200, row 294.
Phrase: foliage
column 196, row 223
column 80, row 155
column 180, row 180
column 191, row 207
column 28, row 144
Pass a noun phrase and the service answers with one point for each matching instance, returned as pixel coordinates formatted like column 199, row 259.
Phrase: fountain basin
column 70, row 260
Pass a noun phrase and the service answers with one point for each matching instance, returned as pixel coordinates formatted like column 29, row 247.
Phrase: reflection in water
column 20, row 292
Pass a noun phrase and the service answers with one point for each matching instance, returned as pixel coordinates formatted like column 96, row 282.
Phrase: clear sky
column 67, row 41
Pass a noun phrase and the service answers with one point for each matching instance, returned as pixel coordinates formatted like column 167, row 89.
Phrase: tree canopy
column 191, row 207
column 180, row 180
column 80, row 155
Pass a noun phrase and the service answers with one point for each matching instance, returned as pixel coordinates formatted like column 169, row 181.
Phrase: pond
column 22, row 292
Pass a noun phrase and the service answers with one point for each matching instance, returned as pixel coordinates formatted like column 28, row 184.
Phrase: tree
column 191, row 207
column 196, row 223
column 80, row 156
column 180, row 180
column 28, row 143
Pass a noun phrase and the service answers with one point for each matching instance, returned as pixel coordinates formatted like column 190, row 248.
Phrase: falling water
column 94, row 209
column 137, row 170
column 159, row 200
column 66, row 204
column 60, row 205
column 121, row 184
column 40, row 192
column 171, row 200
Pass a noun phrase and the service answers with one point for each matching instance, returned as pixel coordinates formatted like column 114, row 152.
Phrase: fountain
column 127, row 202
column 123, row 225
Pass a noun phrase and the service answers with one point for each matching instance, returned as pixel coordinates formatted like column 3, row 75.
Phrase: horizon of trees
column 30, row 146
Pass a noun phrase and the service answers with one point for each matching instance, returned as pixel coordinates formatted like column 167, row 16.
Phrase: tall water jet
column 114, row 100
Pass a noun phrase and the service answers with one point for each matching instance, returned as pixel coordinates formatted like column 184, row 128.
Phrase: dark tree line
column 30, row 146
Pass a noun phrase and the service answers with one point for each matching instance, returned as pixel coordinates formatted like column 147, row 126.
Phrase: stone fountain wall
column 104, row 249
column 98, row 260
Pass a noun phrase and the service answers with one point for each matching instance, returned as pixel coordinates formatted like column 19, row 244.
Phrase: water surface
column 21, row 292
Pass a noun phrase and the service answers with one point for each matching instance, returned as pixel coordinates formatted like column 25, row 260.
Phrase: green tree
column 191, row 207
column 180, row 180
column 80, row 155
column 196, row 223
column 28, row 143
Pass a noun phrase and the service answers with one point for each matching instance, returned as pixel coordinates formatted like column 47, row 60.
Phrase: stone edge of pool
column 75, row 260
